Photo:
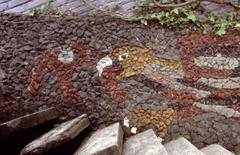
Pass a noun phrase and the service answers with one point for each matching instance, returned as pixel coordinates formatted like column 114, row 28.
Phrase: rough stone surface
column 144, row 143
column 215, row 149
column 209, row 128
column 57, row 136
column 2, row 75
column 221, row 110
column 28, row 121
column 181, row 146
column 21, row 6
column 152, row 69
column 106, row 141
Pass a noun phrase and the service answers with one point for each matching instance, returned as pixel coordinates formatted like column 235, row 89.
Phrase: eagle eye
column 123, row 56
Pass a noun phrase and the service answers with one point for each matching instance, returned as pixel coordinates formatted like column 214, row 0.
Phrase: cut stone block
column 2, row 74
column 216, row 149
column 106, row 141
column 57, row 136
column 145, row 143
column 181, row 146
column 27, row 121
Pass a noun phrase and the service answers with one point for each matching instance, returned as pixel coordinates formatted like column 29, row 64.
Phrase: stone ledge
column 27, row 121
column 144, row 143
column 181, row 146
column 215, row 149
column 57, row 136
column 106, row 141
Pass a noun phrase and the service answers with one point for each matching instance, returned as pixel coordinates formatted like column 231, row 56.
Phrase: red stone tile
column 181, row 97
column 188, row 112
column 189, row 44
column 48, row 62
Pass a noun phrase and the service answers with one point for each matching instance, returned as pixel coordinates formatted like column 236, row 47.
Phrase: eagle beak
column 103, row 63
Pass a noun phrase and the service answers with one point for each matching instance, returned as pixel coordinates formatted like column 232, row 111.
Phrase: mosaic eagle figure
column 196, row 76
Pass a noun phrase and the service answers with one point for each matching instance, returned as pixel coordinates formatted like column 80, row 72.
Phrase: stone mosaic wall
column 145, row 77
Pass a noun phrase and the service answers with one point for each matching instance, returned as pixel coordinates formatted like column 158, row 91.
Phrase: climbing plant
column 182, row 14
column 175, row 14
column 45, row 9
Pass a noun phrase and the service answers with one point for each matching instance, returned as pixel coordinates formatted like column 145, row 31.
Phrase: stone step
column 57, row 136
column 145, row 143
column 216, row 149
column 181, row 146
column 106, row 141
column 28, row 121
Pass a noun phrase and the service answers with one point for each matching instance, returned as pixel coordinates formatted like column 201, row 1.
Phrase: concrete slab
column 145, row 143
column 216, row 149
column 106, row 141
column 181, row 146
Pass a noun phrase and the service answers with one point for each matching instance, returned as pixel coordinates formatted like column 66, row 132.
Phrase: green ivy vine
column 182, row 17
column 45, row 9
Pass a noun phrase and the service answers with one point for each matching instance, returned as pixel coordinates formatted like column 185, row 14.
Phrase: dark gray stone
column 27, row 121
column 2, row 75
column 106, row 141
column 57, row 136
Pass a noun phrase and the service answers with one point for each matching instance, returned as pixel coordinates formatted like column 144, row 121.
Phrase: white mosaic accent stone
column 197, row 92
column 103, row 63
column 134, row 130
column 221, row 110
column 231, row 82
column 126, row 122
column 66, row 56
column 218, row 62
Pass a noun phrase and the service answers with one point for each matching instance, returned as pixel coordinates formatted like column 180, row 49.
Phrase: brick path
column 22, row 6
column 126, row 6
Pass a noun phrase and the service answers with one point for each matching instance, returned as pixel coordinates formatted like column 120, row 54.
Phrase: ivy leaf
column 153, row 15
column 151, row 4
column 192, row 17
column 212, row 19
column 46, row 7
column 143, row 21
column 221, row 31
column 32, row 12
column 227, row 1
column 166, row 1
column 43, row 7
column 176, row 11
column 237, row 26
column 167, row 14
